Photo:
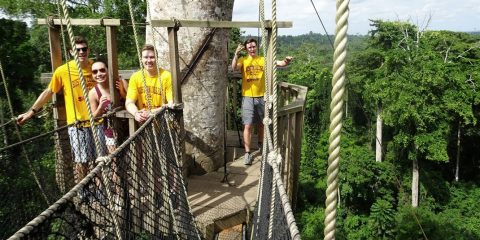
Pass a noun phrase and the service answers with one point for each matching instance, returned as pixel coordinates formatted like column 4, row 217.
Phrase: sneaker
column 247, row 159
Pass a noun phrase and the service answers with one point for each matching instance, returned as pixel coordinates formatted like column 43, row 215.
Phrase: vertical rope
column 177, row 160
column 274, row 74
column 287, row 209
column 164, row 97
column 67, row 59
column 17, row 131
column 264, row 47
column 336, row 106
column 139, row 53
column 82, row 79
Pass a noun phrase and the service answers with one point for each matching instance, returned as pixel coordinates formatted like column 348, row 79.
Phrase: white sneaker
column 247, row 159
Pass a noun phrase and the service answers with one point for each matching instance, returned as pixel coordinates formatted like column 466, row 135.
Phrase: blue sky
column 455, row 15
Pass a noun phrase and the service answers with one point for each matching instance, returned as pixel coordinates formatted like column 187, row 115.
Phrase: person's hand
column 141, row 115
column 22, row 118
column 102, row 102
column 240, row 48
column 288, row 59
column 120, row 85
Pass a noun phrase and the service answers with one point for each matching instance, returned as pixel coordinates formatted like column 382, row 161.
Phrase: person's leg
column 247, row 137
column 247, row 118
column 260, row 114
column 76, row 136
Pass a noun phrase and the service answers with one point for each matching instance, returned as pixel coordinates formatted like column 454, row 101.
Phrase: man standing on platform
column 252, row 67
column 67, row 78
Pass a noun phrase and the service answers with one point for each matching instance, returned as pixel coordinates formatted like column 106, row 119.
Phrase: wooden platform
column 217, row 205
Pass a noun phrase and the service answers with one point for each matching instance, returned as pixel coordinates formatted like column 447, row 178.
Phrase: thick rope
column 287, row 209
column 60, row 202
column 58, row 129
column 177, row 160
column 17, row 131
column 336, row 106
column 82, row 79
column 139, row 53
column 154, row 42
column 67, row 59
column 274, row 74
column 263, row 46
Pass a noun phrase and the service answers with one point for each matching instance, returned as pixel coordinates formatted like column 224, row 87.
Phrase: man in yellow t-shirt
column 253, row 90
column 67, row 78
column 136, row 102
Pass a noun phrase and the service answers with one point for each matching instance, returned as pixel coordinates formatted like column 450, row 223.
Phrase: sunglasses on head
column 83, row 49
column 102, row 70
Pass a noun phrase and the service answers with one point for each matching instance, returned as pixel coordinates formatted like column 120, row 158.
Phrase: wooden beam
column 83, row 22
column 216, row 24
column 174, row 64
column 111, row 32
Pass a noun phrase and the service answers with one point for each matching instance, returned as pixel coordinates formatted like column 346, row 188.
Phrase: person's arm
column 122, row 86
column 285, row 61
column 236, row 66
column 139, row 115
column 43, row 98
column 95, row 103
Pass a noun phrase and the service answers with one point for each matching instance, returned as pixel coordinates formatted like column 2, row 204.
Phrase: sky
column 454, row 15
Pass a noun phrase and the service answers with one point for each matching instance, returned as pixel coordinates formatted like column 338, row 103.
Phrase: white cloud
column 460, row 15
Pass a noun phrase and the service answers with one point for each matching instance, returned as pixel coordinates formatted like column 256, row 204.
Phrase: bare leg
column 81, row 169
column 247, row 137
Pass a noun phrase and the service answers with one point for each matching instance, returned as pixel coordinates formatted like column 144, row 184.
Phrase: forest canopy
column 421, row 83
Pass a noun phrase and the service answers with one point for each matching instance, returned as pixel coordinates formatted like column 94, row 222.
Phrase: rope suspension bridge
column 139, row 191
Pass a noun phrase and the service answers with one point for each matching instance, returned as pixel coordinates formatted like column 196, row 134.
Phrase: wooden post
column 177, row 90
column 111, row 33
column 64, row 164
column 174, row 64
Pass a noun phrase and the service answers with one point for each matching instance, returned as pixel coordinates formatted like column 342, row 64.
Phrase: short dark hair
column 250, row 40
column 80, row 40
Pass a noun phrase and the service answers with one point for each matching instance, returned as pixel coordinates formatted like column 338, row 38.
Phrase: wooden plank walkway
column 218, row 205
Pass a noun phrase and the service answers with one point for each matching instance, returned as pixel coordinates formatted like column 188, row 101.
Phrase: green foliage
column 381, row 220
column 311, row 223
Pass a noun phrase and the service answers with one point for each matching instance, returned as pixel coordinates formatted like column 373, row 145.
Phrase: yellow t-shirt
column 253, row 78
column 137, row 94
column 75, row 107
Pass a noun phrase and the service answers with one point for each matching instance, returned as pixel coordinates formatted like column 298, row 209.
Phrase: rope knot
column 50, row 21
column 271, row 157
column 177, row 23
column 267, row 121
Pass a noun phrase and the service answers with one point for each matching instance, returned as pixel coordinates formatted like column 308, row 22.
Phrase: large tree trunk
column 204, row 91
column 378, row 140
column 415, row 181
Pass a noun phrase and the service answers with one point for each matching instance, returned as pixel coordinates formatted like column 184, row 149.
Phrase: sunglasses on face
column 102, row 70
column 83, row 49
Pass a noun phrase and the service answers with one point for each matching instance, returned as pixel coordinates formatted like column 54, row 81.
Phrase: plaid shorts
column 83, row 144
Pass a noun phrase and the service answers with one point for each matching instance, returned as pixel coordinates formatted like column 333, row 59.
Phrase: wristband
column 34, row 110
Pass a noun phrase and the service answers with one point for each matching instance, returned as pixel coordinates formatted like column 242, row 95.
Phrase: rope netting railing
column 136, row 192
column 273, row 216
